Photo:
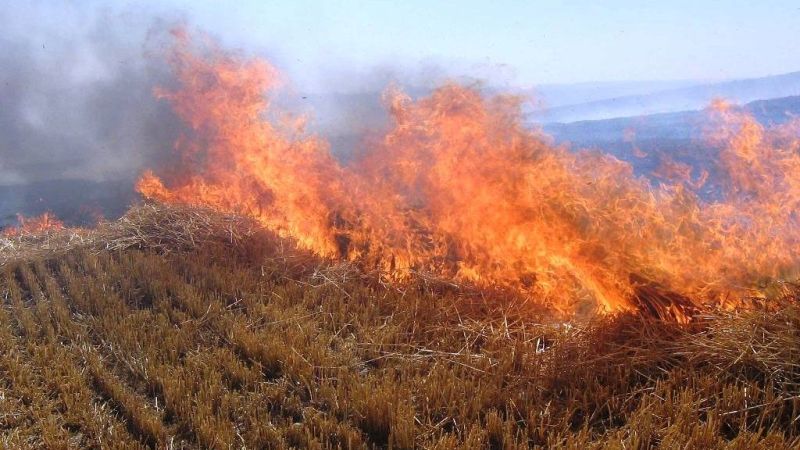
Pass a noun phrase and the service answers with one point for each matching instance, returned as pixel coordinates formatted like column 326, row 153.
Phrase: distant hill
column 671, row 100
column 644, row 141
column 568, row 94
column 672, row 125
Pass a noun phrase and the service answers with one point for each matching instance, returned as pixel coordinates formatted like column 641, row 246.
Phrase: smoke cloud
column 76, row 89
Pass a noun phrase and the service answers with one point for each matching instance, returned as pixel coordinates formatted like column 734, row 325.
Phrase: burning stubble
column 458, row 187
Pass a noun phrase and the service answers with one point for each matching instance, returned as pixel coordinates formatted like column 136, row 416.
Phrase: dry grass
column 150, row 225
column 180, row 328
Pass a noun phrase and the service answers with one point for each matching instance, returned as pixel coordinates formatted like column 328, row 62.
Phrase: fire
column 34, row 225
column 460, row 187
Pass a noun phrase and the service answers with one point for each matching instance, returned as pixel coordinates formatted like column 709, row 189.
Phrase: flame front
column 459, row 187
column 40, row 224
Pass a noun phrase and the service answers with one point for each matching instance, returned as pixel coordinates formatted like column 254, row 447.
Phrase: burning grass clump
column 178, row 327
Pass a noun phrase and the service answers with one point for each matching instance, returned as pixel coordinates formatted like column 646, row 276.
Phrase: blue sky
column 521, row 42
column 529, row 41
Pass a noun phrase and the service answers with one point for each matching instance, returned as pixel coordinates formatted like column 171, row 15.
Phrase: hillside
column 645, row 141
column 673, row 125
column 180, row 328
column 674, row 99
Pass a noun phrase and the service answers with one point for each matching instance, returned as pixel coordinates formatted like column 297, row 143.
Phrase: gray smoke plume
column 77, row 99
column 78, row 119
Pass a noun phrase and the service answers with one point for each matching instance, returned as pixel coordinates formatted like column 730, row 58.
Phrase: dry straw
column 148, row 226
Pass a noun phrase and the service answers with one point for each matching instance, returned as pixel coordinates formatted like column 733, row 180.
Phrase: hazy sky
column 523, row 42
column 530, row 41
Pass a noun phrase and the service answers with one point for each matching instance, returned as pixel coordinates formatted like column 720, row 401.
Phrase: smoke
column 76, row 89
column 79, row 120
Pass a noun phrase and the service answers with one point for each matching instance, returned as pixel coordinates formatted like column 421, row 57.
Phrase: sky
column 77, row 76
column 526, row 42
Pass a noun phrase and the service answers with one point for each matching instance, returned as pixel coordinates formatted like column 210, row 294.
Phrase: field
column 243, row 342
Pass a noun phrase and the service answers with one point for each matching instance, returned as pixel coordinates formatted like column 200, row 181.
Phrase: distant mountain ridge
column 672, row 100
column 570, row 94
column 645, row 141
column 671, row 125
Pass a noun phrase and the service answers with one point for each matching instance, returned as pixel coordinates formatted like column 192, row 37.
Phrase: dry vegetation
column 178, row 328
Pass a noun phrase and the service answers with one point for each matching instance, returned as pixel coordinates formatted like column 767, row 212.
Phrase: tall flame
column 458, row 186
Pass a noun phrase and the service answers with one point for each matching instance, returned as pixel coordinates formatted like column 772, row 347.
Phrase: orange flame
column 34, row 225
column 459, row 187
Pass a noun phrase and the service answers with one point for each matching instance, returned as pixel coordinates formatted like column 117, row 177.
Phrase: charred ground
column 172, row 328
